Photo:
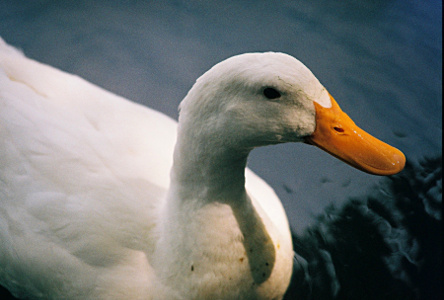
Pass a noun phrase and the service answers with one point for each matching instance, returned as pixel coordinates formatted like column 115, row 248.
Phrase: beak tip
column 396, row 165
column 400, row 162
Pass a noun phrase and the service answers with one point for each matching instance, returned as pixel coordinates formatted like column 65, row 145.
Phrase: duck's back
column 81, row 171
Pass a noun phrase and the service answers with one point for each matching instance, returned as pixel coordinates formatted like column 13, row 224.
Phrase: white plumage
column 87, row 206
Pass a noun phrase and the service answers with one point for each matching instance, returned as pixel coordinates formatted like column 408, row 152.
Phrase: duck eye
column 271, row 93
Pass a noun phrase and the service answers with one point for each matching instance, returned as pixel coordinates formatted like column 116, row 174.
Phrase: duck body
column 84, row 178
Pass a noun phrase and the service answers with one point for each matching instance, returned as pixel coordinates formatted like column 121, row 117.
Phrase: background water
column 381, row 60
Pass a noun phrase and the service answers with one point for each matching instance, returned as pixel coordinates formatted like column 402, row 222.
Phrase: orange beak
column 337, row 134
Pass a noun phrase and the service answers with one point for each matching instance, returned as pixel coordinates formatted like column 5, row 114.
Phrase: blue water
column 381, row 60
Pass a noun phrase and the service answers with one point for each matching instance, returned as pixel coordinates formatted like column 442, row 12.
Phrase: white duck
column 87, row 206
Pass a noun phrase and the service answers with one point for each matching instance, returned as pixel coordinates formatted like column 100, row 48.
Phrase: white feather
column 87, row 210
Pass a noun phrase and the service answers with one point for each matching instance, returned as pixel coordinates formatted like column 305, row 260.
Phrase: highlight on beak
column 338, row 135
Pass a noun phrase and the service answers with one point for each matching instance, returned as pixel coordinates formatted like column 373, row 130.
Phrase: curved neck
column 208, row 217
column 205, row 169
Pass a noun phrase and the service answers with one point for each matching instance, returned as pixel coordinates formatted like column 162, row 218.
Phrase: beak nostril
column 338, row 129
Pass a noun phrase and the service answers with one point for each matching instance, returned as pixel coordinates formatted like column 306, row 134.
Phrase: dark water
column 384, row 246
column 382, row 62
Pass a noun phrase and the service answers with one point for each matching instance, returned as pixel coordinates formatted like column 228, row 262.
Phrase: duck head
column 258, row 99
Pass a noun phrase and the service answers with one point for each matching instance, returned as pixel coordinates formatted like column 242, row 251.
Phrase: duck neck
column 208, row 221
column 208, row 170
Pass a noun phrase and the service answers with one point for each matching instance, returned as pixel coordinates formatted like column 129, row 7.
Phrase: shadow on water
column 5, row 294
column 388, row 246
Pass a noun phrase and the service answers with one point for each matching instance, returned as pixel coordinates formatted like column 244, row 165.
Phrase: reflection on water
column 387, row 246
